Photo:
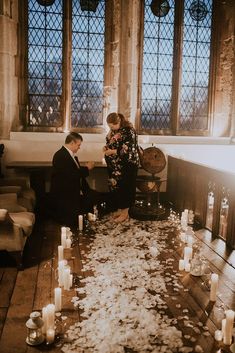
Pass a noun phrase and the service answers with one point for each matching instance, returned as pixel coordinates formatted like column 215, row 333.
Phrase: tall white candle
column 66, row 278
column 187, row 266
column 80, row 222
column 50, row 335
column 188, row 253
column 214, row 286
column 68, row 234
column 68, row 243
column 189, row 241
column 58, row 299
column 223, row 323
column 71, row 280
column 90, row 216
column 63, row 239
column 61, row 266
column 63, row 229
column 181, row 264
column 60, row 252
column 50, row 316
column 228, row 330
column 44, row 318
column 218, row 335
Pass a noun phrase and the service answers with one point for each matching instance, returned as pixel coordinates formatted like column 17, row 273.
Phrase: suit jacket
column 66, row 186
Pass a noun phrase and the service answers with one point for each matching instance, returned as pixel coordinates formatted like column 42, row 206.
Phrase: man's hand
column 90, row 165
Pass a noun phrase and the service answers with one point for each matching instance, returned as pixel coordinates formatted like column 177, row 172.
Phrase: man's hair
column 73, row 136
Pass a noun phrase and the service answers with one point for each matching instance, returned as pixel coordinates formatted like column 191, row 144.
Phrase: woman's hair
column 115, row 118
column 73, row 136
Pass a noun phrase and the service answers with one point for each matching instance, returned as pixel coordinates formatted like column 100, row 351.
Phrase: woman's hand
column 109, row 152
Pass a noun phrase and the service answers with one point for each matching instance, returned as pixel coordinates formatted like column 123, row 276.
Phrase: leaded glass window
column 176, row 66
column 45, row 63
column 157, row 68
column 87, row 65
column 195, row 65
column 51, row 49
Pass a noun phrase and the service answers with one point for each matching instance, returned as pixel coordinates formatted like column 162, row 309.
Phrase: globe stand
column 147, row 204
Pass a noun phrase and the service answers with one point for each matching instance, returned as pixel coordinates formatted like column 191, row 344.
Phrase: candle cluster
column 65, row 279
column 187, row 238
column 48, row 316
column 187, row 217
column 226, row 331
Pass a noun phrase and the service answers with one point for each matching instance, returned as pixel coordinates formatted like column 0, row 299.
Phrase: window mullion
column 67, row 63
column 177, row 59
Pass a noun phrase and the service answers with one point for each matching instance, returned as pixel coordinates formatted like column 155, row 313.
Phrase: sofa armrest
column 9, row 202
column 10, row 189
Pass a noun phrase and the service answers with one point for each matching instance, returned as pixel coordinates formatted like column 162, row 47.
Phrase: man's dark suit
column 67, row 182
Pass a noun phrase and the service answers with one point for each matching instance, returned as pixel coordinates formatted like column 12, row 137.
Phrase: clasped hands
column 90, row 165
column 108, row 151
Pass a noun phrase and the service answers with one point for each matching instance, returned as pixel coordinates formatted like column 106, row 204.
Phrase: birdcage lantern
column 34, row 325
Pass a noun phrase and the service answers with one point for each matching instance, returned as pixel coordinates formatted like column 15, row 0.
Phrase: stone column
column 9, row 110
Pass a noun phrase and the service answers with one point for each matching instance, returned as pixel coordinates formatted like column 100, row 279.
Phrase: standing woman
column 121, row 155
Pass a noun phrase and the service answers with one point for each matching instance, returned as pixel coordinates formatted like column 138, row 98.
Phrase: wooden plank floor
column 29, row 290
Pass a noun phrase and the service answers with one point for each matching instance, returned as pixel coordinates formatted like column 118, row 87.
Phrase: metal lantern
column 34, row 326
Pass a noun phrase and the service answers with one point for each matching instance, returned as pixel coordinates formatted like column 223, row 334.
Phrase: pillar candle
column 60, row 252
column 66, row 278
column 223, row 322
column 189, row 241
column 188, row 253
column 228, row 330
column 214, row 286
column 187, row 266
column 63, row 229
column 70, row 280
column 80, row 222
column 58, row 299
column 68, row 243
column 63, row 239
column 69, row 234
column 50, row 316
column 61, row 265
column 183, row 237
column 181, row 264
column 44, row 318
column 90, row 216
column 218, row 335
column 50, row 335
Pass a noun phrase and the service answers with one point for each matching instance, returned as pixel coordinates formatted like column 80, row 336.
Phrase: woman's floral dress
column 123, row 166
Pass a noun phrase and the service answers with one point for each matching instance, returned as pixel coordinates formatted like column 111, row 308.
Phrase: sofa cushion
column 25, row 219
